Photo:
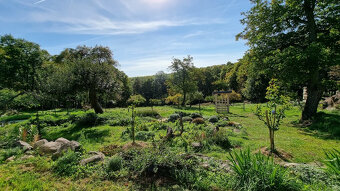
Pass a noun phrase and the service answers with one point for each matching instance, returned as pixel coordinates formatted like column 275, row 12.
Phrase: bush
column 148, row 113
column 221, row 139
column 195, row 115
column 222, row 123
column 213, row 119
column 120, row 121
column 173, row 117
column 198, row 121
column 144, row 135
column 187, row 119
column 6, row 153
column 159, row 126
column 258, row 172
column 68, row 164
column 91, row 119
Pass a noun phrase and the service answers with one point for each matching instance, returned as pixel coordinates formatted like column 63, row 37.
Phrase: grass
column 305, row 145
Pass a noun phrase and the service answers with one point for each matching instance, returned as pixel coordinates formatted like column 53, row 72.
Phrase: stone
column 49, row 148
column 95, row 158
column 25, row 157
column 196, row 145
column 39, row 143
column 10, row 159
column 75, row 146
column 63, row 141
column 25, row 146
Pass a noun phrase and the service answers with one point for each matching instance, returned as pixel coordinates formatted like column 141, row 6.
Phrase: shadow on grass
column 76, row 132
column 325, row 126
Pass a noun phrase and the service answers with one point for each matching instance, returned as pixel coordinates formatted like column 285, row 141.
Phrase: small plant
column 213, row 119
column 115, row 163
column 6, row 153
column 195, row 115
column 67, row 165
column 259, row 172
column 333, row 162
column 273, row 114
column 187, row 119
column 145, row 135
column 173, row 117
column 148, row 113
column 198, row 121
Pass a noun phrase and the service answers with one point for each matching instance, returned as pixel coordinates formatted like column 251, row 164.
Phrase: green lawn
column 305, row 145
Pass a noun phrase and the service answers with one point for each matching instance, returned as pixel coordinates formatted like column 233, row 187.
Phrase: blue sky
column 144, row 35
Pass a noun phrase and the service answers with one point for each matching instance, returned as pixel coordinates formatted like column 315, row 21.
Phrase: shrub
column 221, row 139
column 333, row 162
column 6, row 153
column 187, row 119
column 143, row 127
column 222, row 123
column 144, row 135
column 91, row 119
column 110, row 150
column 198, row 121
column 115, row 163
column 195, row 115
column 213, row 119
column 68, row 164
column 258, row 172
column 173, row 117
column 148, row 113
column 159, row 126
column 120, row 121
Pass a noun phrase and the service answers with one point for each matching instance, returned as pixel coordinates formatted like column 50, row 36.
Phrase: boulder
column 26, row 157
column 196, row 145
column 10, row 159
column 39, row 143
column 98, row 156
column 49, row 148
column 25, row 146
column 75, row 146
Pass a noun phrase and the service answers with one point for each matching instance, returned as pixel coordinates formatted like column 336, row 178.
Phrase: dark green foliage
column 173, row 117
column 145, row 135
column 187, row 119
column 198, row 121
column 259, row 172
column 115, row 163
column 6, row 153
column 195, row 115
column 159, row 126
column 328, row 123
column 333, row 162
column 120, row 121
column 223, row 123
column 213, row 119
column 68, row 164
column 148, row 113
column 91, row 119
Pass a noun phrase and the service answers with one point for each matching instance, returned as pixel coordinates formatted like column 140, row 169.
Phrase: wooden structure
column 222, row 101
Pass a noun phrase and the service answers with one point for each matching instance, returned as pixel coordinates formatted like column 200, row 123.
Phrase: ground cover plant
column 209, row 144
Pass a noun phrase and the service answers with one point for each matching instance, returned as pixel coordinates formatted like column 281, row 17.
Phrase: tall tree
column 295, row 41
column 183, row 79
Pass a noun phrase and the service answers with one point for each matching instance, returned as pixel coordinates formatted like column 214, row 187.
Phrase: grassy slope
column 304, row 146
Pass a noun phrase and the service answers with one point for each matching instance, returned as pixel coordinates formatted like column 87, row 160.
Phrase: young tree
column 274, row 112
column 296, row 42
column 183, row 79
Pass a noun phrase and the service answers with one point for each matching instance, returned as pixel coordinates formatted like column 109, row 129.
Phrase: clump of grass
column 333, row 162
column 68, row 164
column 259, row 172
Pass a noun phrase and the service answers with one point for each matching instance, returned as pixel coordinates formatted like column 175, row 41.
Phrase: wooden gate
column 222, row 101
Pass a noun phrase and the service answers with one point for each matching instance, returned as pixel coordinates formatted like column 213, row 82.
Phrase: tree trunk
column 313, row 99
column 94, row 101
column 184, row 99
column 314, row 88
column 272, row 144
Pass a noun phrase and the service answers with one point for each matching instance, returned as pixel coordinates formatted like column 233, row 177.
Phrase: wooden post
column 227, row 103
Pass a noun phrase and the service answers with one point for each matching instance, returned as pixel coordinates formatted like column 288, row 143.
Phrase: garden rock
column 25, row 146
column 196, row 145
column 25, row 157
column 10, row 159
column 75, row 146
column 39, row 143
column 98, row 156
column 49, row 148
